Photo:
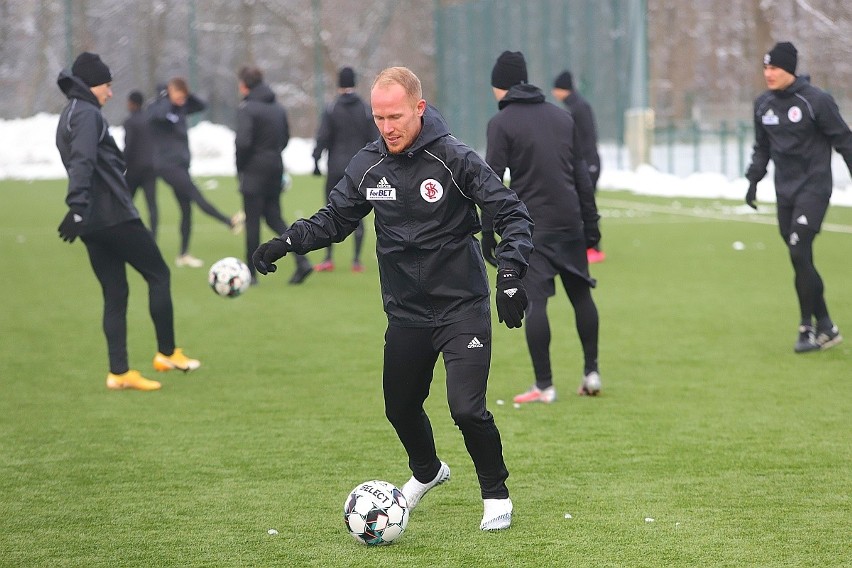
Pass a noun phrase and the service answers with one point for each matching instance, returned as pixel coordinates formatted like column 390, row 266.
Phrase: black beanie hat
column 136, row 98
column 346, row 78
column 510, row 69
column 90, row 68
column 564, row 81
column 783, row 55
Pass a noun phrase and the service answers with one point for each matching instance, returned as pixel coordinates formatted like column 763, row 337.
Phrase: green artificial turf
column 713, row 444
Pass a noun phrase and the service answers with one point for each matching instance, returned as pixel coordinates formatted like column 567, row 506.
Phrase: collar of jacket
column 523, row 93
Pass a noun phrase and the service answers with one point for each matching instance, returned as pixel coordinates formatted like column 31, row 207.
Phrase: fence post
column 741, row 132
column 696, row 146
column 670, row 136
column 723, row 142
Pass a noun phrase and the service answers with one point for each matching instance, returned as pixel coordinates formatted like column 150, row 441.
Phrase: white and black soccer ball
column 375, row 513
column 229, row 277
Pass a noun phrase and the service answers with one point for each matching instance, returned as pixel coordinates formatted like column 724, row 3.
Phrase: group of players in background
column 397, row 159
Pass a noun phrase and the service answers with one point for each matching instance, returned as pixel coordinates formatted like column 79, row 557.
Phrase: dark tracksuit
column 584, row 119
column 139, row 155
column 346, row 127
column 262, row 134
column 434, row 284
column 796, row 128
column 112, row 231
column 171, row 159
column 539, row 143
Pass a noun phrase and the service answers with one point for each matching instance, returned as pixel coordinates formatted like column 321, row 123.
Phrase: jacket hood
column 75, row 88
column 523, row 93
column 261, row 93
column 349, row 99
column 433, row 127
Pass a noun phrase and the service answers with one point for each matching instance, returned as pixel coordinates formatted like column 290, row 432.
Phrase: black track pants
column 409, row 362
column 109, row 251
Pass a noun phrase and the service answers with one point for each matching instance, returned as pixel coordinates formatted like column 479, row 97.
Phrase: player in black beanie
column 345, row 127
column 584, row 118
column 796, row 125
column 550, row 175
column 101, row 213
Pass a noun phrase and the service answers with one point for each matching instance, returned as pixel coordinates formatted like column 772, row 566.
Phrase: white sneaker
column 414, row 490
column 591, row 385
column 497, row 515
column 238, row 222
column 189, row 260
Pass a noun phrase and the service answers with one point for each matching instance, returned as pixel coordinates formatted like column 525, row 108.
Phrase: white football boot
column 497, row 515
column 591, row 385
column 414, row 490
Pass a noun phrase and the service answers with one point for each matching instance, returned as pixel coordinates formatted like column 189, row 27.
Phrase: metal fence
column 686, row 148
column 602, row 43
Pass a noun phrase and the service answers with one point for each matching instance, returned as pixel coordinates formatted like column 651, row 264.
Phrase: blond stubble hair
column 400, row 76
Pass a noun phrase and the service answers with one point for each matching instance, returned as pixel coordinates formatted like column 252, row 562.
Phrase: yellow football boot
column 176, row 360
column 131, row 380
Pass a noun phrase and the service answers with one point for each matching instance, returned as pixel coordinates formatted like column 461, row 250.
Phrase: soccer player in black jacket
column 796, row 125
column 539, row 143
column 262, row 134
column 584, row 120
column 345, row 128
column 423, row 186
column 101, row 213
column 139, row 155
column 170, row 128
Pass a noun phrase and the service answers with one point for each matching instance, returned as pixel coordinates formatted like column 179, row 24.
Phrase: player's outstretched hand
column 266, row 254
column 317, row 171
column 751, row 195
column 511, row 297
column 489, row 247
column 71, row 226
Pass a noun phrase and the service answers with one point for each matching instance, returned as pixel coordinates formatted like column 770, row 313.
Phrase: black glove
column 71, row 226
column 317, row 171
column 489, row 247
column 592, row 233
column 511, row 297
column 751, row 195
column 266, row 254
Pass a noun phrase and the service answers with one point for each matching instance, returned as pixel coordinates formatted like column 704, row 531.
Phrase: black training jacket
column 171, row 130
column 95, row 164
column 584, row 118
column 538, row 142
column 796, row 128
column 262, row 134
column 424, row 200
column 346, row 127
column 138, row 142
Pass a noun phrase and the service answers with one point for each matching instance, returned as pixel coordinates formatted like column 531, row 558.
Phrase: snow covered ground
column 28, row 151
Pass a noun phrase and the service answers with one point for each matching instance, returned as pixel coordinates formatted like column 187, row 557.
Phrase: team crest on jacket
column 431, row 190
column 794, row 114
